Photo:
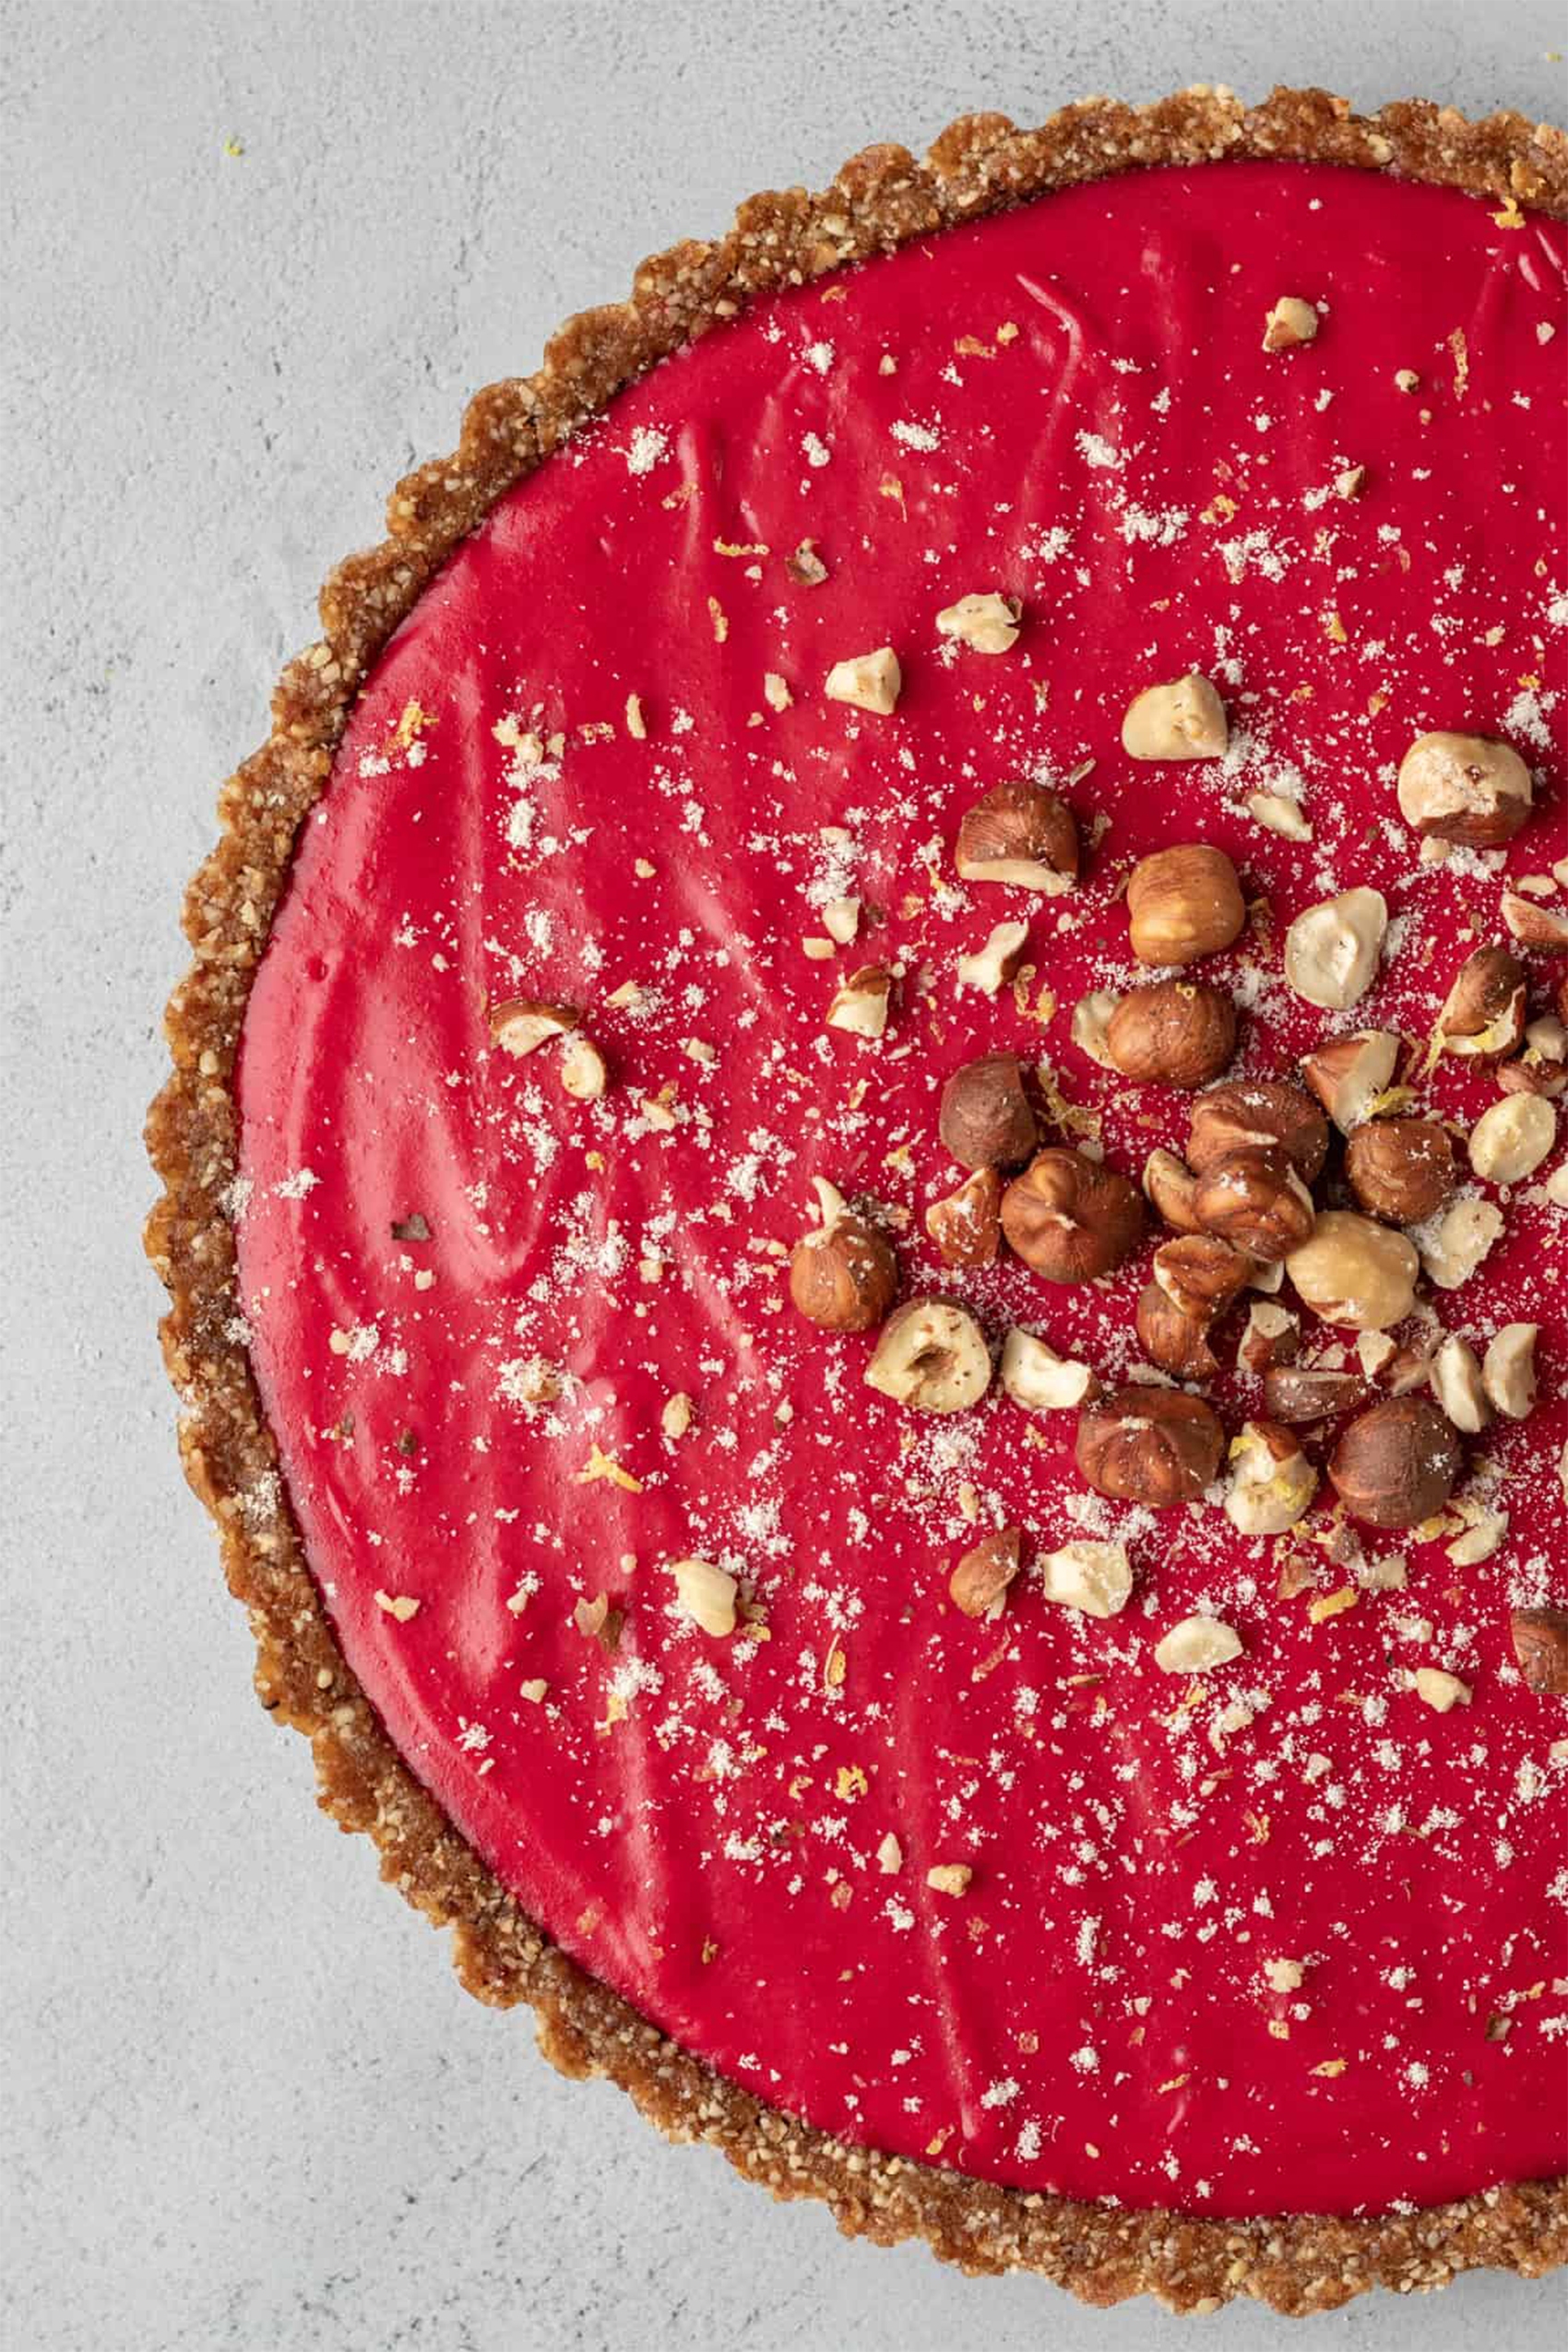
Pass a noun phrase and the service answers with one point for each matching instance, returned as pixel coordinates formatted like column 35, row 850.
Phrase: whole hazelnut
column 1349, row 1074
column 966, row 1225
column 1072, row 1218
column 1181, row 719
column 1483, row 1015
column 1397, row 1464
column 1464, row 787
column 1353, row 1271
column 1170, row 1186
column 987, row 1118
column 1540, row 1645
column 1172, row 1337
column 1401, row 1170
column 844, row 1276
column 1022, row 834
column 1255, row 1200
column 1201, row 1273
column 1182, row 904
column 1157, row 1447
column 931, row 1355
column 1175, row 1033
column 1257, row 1115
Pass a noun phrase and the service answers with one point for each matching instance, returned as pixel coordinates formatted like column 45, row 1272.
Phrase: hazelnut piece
column 1255, row 1200
column 1542, row 1067
column 1091, row 1026
column 1353, row 1271
column 1271, row 1338
column 1289, row 324
column 1181, row 719
column 860, row 1002
column 1401, row 1170
column 1456, row 1245
column 1464, row 787
column 522, row 1024
column 987, row 624
column 1200, row 1274
column 1176, row 1033
column 1094, row 1577
column 1171, row 1187
column 987, row 1118
column 1332, row 949
column 1297, row 1394
column 1071, row 1218
column 1508, row 1370
column 1157, row 1447
column 1456, row 1379
column 1397, row 1464
column 1183, row 903
column 1483, row 1015
column 1196, row 1646
column 843, row 1276
column 1019, row 833
column 1512, row 1137
column 1540, row 1645
column 1349, row 1074
column 1533, row 925
column 1038, row 1378
column 992, row 967
column 869, row 681
column 978, row 1583
column 1271, row 1482
column 582, row 1072
column 931, row 1355
column 707, row 1594
column 1255, row 1114
column 966, row 1225
column 1439, row 1689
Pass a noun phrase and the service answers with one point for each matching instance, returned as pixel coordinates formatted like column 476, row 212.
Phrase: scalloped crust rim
column 882, row 197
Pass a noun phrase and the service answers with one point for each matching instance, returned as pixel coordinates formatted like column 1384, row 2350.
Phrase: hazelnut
column 522, row 1024
column 1540, row 1645
column 987, row 624
column 1483, row 1015
column 869, row 681
column 1196, row 1646
column 1456, row 1379
column 1289, row 324
column 860, row 1002
column 1401, row 1170
column 1255, row 1114
column 978, row 1583
column 1038, row 1378
column 1298, row 1393
column 1271, row 1482
column 1200, row 1275
column 949, row 1878
column 1171, row 1187
column 987, row 1118
column 1091, row 1024
column 993, row 966
column 844, row 1276
column 1349, row 1074
column 1255, row 1200
column 1021, row 834
column 1454, row 1247
column 966, row 1225
column 1353, row 1271
column 1172, row 1337
column 582, row 1072
column 1512, row 1137
column 1272, row 1337
column 1440, row 1689
column 1182, row 904
column 1094, row 1577
column 1176, row 1033
column 1545, row 928
column 1071, row 1218
column 1542, row 1067
column 931, row 1355
column 707, row 1594
column 1508, row 1370
column 1278, row 812
column 1464, row 787
column 1157, row 1447
column 1397, row 1464
column 1332, row 949
column 841, row 920
column 1182, row 720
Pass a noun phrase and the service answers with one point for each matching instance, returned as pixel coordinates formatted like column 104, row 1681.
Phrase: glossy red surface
column 1071, row 404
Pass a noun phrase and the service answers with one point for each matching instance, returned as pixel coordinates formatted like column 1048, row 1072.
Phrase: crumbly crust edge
column 882, row 197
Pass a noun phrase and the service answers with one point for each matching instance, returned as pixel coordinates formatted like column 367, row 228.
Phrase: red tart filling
column 1032, row 1892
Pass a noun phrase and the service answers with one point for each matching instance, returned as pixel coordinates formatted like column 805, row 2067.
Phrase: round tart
column 864, row 1203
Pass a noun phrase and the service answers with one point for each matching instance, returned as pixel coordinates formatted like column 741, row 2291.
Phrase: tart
column 865, row 1209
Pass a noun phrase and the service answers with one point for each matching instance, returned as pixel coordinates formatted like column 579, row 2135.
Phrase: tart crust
column 881, row 198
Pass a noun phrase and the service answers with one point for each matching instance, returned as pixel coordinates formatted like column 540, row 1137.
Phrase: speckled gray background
column 245, row 2105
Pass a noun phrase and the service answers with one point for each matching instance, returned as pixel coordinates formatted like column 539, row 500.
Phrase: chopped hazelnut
column 987, row 624
column 966, row 1225
column 1184, row 903
column 1439, row 1689
column 583, row 1070
column 1300, row 1393
column 860, row 1002
column 993, row 966
column 522, row 1024
column 1543, row 928
column 949, row 1878
column 1271, row 1338
column 1022, row 834
column 1289, row 324
column 1396, row 1464
column 1349, row 1074
column 1181, row 719
column 1483, row 1015
column 1091, row 1025
column 707, row 1594
column 869, row 681
column 1508, row 1370
column 987, row 1118
column 1464, row 787
column 1457, row 1384
column 677, row 1416
column 1157, row 1447
column 1196, row 1646
column 1178, row 1033
column 1353, row 1271
column 1540, row 1645
column 1271, row 1482
column 841, row 920
column 1332, row 949
column 1094, row 1577
column 978, row 1583
column 932, row 1355
column 1541, row 1067
column 1255, row 1114
column 1463, row 1236
column 1171, row 1187
column 1035, row 1376
column 1172, row 1336
column 1512, row 1137
column 1070, row 1218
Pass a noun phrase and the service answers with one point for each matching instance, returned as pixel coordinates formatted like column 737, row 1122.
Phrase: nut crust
column 880, row 199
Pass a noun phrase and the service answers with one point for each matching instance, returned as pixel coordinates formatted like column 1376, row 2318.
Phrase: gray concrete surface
column 245, row 2105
